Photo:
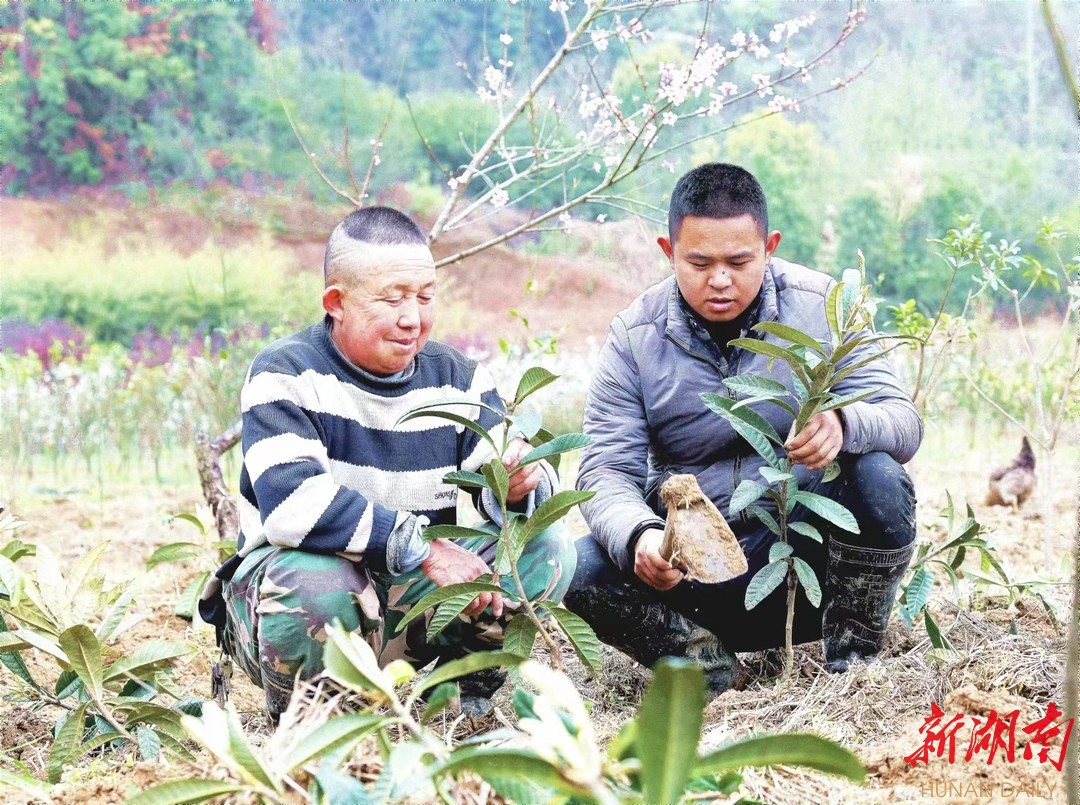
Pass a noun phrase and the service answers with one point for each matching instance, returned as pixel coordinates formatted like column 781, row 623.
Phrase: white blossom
column 499, row 197
column 506, row 39
column 670, row 118
column 599, row 40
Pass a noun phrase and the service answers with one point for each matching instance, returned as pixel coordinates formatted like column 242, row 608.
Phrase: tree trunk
column 208, row 453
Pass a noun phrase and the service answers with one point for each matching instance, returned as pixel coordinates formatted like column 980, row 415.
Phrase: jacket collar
column 685, row 329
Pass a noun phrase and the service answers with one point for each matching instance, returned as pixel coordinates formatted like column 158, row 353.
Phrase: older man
column 335, row 496
column 647, row 421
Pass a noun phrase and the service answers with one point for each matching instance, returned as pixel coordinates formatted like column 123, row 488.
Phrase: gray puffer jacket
column 647, row 421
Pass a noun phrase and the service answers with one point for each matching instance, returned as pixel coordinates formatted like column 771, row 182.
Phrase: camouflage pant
column 280, row 600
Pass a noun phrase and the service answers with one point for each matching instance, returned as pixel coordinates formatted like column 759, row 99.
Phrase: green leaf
column 66, row 745
column 764, row 582
column 84, row 655
column 520, row 636
column 441, row 697
column 725, row 406
column 916, row 594
column 457, row 419
column 746, row 493
column 791, row 334
column 828, row 509
column 774, row 476
column 495, row 762
column 774, row 351
column 524, row 425
column 24, row 783
column 809, row 580
column 338, row 786
column 187, row 517
column 745, row 401
column 466, row 479
column 173, row 552
column 747, row 424
column 560, row 444
column 793, row 749
column 447, row 612
column 806, row 530
column 832, row 472
column 241, row 753
column 10, row 642
column 12, row 579
column 534, row 379
column 669, row 727
column 551, row 511
column 841, row 402
column 477, row 661
column 833, row 311
column 764, row 518
column 110, row 624
column 441, row 594
column 350, row 661
column 342, row 731
column 498, row 479
column 937, row 639
column 146, row 659
column 754, row 385
column 778, row 551
column 188, row 601
column 149, row 742
column 454, row 532
column 185, row 792
column 582, row 637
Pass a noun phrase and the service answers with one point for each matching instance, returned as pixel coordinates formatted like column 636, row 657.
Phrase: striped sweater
column 327, row 469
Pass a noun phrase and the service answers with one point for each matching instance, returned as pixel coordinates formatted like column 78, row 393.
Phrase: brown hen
column 1013, row 484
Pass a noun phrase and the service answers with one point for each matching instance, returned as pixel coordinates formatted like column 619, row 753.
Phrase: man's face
column 384, row 318
column 719, row 263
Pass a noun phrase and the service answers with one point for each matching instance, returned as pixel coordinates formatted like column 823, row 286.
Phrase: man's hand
column 451, row 564
column 818, row 443
column 650, row 566
column 525, row 481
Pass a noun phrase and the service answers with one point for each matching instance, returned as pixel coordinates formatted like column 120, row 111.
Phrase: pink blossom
column 782, row 103
column 727, row 89
column 670, row 118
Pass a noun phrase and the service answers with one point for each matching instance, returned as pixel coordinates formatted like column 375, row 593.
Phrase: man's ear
column 333, row 302
column 772, row 242
column 666, row 248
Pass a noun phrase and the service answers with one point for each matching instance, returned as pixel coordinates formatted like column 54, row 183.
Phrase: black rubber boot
column 477, row 689
column 278, row 689
column 645, row 630
column 860, row 590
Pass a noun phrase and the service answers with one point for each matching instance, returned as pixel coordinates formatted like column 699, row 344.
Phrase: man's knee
column 547, row 564
column 880, row 494
column 299, row 595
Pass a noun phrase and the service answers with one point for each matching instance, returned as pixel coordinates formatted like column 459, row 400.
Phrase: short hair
column 383, row 226
column 717, row 190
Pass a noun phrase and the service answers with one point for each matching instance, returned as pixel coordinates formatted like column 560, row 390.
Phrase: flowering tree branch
column 569, row 128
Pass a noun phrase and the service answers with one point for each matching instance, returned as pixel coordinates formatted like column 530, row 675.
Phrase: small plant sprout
column 517, row 530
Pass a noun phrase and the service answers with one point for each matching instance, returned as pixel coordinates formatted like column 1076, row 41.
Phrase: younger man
column 647, row 421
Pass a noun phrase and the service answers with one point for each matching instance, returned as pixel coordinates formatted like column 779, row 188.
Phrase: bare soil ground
column 1010, row 655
